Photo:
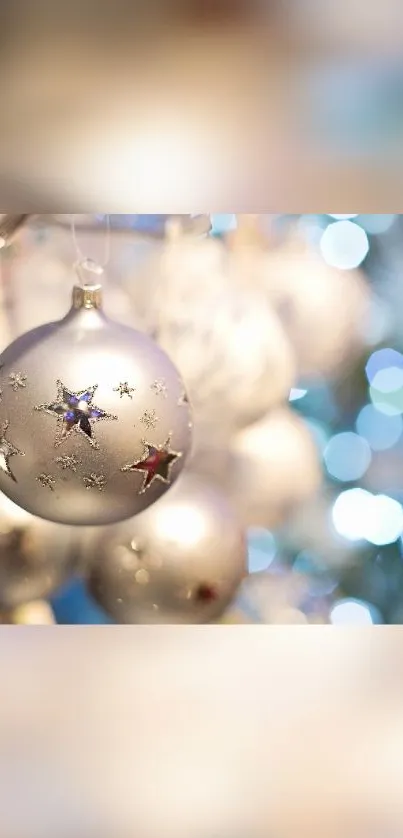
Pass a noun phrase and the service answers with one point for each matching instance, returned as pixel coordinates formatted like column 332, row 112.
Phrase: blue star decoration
column 75, row 412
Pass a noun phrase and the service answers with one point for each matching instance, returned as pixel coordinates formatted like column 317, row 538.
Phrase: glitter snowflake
column 17, row 380
column 47, row 481
column 149, row 419
column 95, row 481
column 68, row 462
column 160, row 388
column 124, row 390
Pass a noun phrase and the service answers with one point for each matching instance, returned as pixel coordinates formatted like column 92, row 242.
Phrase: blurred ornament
column 324, row 310
column 274, row 598
column 95, row 422
column 311, row 529
column 180, row 562
column 33, row 614
column 9, row 226
column 35, row 557
column 226, row 340
column 274, row 466
column 179, row 274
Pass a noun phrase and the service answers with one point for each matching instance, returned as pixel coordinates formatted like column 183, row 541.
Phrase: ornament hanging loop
column 88, row 270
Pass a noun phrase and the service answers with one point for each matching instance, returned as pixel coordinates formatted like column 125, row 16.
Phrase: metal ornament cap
column 85, row 401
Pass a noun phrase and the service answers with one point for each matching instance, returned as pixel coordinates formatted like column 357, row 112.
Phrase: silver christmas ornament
column 94, row 420
column 36, row 557
column 179, row 562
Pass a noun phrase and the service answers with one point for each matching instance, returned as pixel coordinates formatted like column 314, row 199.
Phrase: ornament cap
column 87, row 296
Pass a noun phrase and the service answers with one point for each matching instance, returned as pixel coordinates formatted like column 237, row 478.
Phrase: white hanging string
column 84, row 263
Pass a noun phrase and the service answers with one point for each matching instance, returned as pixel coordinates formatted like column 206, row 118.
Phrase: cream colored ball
column 274, row 466
column 324, row 310
column 180, row 562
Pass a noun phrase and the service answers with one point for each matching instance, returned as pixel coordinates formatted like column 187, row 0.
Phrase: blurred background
column 233, row 104
column 287, row 332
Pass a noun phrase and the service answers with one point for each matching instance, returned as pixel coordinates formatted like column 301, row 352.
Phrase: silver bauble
column 95, row 423
column 36, row 557
column 180, row 562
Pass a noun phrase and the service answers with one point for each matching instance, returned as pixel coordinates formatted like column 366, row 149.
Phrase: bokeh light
column 359, row 515
column 376, row 224
column 347, row 456
column 296, row 394
column 382, row 359
column 344, row 245
column 354, row 612
column 342, row 215
column 350, row 513
column 385, row 523
column 381, row 431
column 222, row 223
column 261, row 549
column 386, row 391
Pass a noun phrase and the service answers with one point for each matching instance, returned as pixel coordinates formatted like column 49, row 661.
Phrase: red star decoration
column 155, row 465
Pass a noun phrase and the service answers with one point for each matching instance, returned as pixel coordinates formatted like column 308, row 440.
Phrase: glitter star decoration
column 75, row 412
column 47, row 481
column 95, row 481
column 155, row 465
column 149, row 419
column 67, row 462
column 17, row 380
column 124, row 390
column 159, row 388
column 7, row 450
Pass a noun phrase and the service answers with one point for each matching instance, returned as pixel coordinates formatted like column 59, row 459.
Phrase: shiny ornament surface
column 325, row 311
column 274, row 466
column 179, row 562
column 36, row 557
column 95, row 423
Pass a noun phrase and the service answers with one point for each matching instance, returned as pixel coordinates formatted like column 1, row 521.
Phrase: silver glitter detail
column 160, row 388
column 95, row 481
column 152, row 470
column 17, row 380
column 149, row 419
column 67, row 462
column 7, row 450
column 47, row 481
column 61, row 406
column 124, row 390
